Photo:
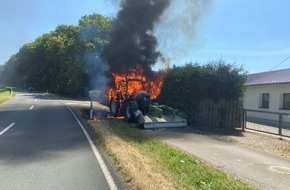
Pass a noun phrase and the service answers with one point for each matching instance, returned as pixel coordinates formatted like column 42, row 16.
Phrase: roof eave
column 262, row 84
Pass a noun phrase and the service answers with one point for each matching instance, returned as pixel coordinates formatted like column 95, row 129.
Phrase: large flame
column 137, row 82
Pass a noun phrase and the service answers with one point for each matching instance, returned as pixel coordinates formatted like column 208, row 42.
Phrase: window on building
column 265, row 100
column 286, row 101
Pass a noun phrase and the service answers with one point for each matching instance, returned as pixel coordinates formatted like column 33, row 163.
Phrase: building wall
column 252, row 99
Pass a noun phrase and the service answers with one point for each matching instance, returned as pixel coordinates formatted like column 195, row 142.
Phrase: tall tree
column 94, row 32
column 56, row 61
column 8, row 73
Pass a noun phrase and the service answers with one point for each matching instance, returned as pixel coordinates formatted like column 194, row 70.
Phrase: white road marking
column 31, row 107
column 7, row 128
column 35, row 100
column 104, row 168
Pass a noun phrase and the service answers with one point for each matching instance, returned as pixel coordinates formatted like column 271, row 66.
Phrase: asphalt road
column 43, row 147
column 264, row 171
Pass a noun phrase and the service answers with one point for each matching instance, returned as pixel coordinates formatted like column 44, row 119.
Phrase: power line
column 280, row 63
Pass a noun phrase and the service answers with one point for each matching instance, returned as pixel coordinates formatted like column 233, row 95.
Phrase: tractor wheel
column 140, row 118
column 143, row 99
column 114, row 108
column 130, row 108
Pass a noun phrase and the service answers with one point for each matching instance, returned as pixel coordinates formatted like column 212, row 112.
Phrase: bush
column 194, row 83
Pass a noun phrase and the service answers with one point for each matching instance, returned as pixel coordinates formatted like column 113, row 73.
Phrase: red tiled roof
column 270, row 77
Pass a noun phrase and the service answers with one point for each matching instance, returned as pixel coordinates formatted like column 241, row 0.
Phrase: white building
column 268, row 91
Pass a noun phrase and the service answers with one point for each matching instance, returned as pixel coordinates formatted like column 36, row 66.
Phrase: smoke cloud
column 147, row 30
column 177, row 30
column 96, row 69
column 132, row 41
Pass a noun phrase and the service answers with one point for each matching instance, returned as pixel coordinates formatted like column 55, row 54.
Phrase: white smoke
column 96, row 68
column 177, row 29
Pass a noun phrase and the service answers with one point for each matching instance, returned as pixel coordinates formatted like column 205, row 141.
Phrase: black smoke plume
column 132, row 42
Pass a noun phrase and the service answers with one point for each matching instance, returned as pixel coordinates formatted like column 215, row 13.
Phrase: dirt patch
column 270, row 144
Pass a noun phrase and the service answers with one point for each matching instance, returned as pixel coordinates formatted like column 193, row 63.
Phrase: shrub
column 194, row 83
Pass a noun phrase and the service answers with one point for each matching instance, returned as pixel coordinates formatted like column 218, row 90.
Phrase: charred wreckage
column 131, row 95
column 130, row 100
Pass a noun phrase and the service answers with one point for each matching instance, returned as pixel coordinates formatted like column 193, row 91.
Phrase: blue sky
column 252, row 33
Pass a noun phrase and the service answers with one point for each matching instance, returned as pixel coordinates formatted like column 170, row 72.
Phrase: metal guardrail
column 266, row 123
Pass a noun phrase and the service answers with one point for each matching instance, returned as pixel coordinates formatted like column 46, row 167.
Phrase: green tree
column 8, row 73
column 94, row 32
column 56, row 61
column 64, row 52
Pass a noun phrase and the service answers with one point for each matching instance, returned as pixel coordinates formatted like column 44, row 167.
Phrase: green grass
column 5, row 95
column 187, row 170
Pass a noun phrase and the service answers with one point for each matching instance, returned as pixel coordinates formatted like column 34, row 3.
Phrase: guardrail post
column 244, row 120
column 280, row 125
column 91, row 110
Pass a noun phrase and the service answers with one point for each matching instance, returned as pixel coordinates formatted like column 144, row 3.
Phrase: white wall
column 253, row 95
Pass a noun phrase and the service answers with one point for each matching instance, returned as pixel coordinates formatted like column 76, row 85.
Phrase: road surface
column 265, row 171
column 42, row 146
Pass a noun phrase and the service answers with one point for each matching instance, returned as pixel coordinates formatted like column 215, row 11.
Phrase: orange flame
column 136, row 81
column 95, row 118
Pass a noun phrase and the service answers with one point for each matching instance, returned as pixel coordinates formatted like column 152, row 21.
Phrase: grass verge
column 5, row 95
column 148, row 163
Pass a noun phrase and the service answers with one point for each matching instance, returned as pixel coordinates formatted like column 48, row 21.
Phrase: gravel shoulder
column 272, row 144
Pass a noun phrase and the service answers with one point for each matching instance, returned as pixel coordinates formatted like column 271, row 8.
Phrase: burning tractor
column 130, row 100
column 133, row 97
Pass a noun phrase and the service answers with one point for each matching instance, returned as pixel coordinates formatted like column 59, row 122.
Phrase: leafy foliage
column 8, row 74
column 55, row 61
column 94, row 33
column 195, row 83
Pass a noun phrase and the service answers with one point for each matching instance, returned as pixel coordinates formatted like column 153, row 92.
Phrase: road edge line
column 7, row 128
column 97, row 154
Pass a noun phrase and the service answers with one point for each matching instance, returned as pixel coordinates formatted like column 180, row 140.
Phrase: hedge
column 186, row 86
